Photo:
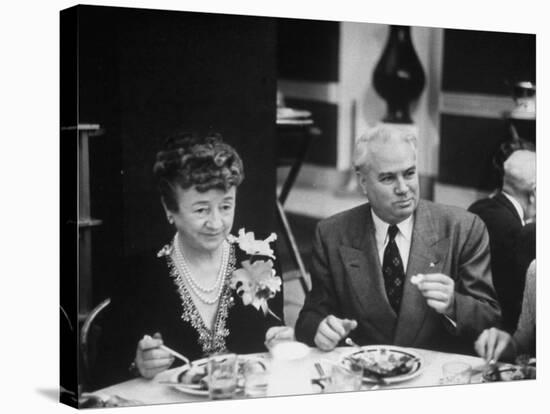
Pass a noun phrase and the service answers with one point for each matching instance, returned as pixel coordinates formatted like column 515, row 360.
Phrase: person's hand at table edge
column 332, row 330
column 150, row 359
column 493, row 344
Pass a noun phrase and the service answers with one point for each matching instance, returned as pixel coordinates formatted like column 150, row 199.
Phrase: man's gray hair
column 520, row 171
column 380, row 134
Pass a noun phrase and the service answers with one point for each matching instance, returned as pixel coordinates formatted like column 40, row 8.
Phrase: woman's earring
column 170, row 219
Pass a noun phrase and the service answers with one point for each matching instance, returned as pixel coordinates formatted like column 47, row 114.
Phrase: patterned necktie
column 392, row 268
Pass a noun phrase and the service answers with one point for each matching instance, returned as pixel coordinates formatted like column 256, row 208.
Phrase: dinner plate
column 201, row 364
column 388, row 355
column 178, row 375
column 506, row 372
column 292, row 113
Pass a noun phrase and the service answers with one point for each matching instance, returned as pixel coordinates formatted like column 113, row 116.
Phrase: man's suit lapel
column 503, row 200
column 427, row 255
column 365, row 275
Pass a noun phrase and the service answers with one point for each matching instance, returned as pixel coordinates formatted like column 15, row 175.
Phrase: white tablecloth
column 154, row 392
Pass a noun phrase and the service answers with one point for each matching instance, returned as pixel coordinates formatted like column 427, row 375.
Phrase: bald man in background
column 505, row 215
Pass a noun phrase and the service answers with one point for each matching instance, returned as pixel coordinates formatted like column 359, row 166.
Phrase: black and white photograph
column 339, row 209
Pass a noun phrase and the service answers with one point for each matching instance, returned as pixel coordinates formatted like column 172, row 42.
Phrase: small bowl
column 289, row 350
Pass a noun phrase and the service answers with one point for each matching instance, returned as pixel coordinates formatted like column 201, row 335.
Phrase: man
column 504, row 215
column 426, row 284
column 505, row 149
column 526, row 247
column 493, row 343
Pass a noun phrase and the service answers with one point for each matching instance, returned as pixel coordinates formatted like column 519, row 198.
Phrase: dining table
column 161, row 389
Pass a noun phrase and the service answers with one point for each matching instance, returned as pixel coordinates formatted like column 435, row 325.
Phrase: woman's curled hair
column 205, row 163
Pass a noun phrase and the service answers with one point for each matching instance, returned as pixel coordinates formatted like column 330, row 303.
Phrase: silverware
column 176, row 354
column 322, row 376
column 492, row 370
column 350, row 342
column 180, row 384
column 495, row 369
column 320, row 370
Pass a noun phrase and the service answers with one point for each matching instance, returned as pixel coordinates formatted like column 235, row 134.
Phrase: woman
column 183, row 297
column 495, row 344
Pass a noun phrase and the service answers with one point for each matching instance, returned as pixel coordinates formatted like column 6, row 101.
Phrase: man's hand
column 438, row 290
column 331, row 330
column 492, row 343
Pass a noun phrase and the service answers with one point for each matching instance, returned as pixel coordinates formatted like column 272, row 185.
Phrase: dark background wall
column 486, row 63
column 144, row 74
column 308, row 50
column 467, row 150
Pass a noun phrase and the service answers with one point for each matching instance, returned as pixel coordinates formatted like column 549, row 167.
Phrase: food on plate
column 116, row 401
column 87, row 400
column 382, row 363
column 196, row 376
column 416, row 279
column 508, row 373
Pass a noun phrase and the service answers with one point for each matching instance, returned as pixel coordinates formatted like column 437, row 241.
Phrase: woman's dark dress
column 148, row 300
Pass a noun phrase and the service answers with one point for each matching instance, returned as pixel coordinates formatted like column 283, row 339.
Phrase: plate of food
column 508, row 372
column 386, row 364
column 193, row 379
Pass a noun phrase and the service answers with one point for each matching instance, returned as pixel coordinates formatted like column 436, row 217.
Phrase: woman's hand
column 150, row 359
column 277, row 334
column 492, row 343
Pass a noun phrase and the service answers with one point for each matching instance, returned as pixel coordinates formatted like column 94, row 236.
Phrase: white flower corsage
column 256, row 281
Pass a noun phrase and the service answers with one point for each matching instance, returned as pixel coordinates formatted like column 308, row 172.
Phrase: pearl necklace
column 195, row 287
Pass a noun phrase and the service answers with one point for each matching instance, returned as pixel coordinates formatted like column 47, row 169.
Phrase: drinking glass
column 456, row 372
column 222, row 376
column 289, row 374
column 345, row 378
column 256, row 376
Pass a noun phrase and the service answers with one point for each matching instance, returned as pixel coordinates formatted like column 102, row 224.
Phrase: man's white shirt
column 403, row 238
